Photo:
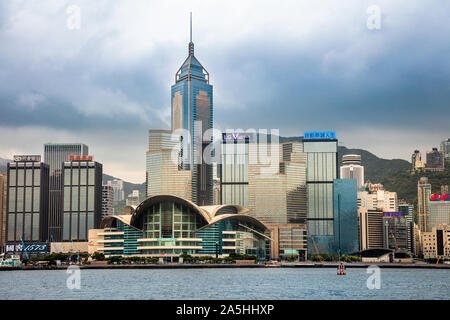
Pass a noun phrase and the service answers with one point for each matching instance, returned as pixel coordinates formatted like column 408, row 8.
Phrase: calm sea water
column 277, row 283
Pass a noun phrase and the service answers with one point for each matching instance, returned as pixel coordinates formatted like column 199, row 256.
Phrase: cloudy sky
column 292, row 65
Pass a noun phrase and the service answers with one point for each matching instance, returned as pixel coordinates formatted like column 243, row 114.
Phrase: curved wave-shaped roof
column 241, row 217
column 224, row 208
column 109, row 221
column 160, row 198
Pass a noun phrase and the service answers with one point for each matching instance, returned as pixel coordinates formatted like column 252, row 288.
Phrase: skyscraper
column 54, row 155
column 445, row 148
column 192, row 111
column 107, row 201
column 165, row 176
column 423, row 203
column 82, row 197
column 351, row 168
column 3, row 189
column 321, row 150
column 27, row 205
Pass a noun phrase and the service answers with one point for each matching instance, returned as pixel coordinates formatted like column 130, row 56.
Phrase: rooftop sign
column 81, row 158
column 23, row 158
column 440, row 197
column 330, row 135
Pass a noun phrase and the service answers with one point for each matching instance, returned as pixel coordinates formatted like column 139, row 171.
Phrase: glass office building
column 164, row 175
column 54, row 155
column 82, row 198
column 192, row 111
column 27, row 204
column 346, row 216
column 322, row 163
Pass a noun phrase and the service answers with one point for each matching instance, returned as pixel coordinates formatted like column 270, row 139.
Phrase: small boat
column 341, row 270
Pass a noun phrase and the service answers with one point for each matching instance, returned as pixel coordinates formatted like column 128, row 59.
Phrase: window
column 66, row 226
column 19, row 226
column 27, row 227
column 35, row 226
column 12, row 177
column 75, row 179
column 91, row 193
column 20, row 199
column 83, row 226
column 82, row 198
column 36, row 199
column 75, row 198
column 91, row 178
column 90, row 220
column 20, row 177
column 28, row 199
column 11, row 227
column 74, row 228
column 29, row 177
column 12, row 200
column 37, row 177
column 83, row 176
column 67, row 172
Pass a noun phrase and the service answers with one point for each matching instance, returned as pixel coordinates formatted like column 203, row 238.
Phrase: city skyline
column 108, row 83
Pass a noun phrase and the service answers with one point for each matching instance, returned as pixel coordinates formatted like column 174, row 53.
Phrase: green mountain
column 405, row 183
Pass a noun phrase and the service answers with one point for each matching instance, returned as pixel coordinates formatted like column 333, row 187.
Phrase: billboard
column 330, row 135
column 393, row 214
column 440, row 197
column 31, row 247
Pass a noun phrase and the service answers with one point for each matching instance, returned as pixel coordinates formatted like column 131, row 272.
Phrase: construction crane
column 315, row 247
column 395, row 240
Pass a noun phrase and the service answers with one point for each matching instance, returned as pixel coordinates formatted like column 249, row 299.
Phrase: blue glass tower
column 192, row 111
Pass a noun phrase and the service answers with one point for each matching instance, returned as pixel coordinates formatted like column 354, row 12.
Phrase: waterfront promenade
column 220, row 265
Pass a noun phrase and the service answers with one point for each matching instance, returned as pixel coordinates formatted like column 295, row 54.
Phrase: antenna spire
column 191, row 44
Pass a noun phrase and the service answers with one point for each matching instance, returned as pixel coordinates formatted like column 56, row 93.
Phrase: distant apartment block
column 445, row 149
column 118, row 193
column 435, row 160
column 107, row 201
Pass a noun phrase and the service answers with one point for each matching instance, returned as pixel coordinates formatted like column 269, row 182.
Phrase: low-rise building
column 436, row 243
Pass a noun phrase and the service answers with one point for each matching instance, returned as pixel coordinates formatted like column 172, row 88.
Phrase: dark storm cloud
column 296, row 66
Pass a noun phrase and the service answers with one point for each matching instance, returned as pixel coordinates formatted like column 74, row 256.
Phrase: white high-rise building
column 352, row 169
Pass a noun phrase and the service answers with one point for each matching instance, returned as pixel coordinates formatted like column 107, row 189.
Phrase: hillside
column 375, row 168
column 405, row 183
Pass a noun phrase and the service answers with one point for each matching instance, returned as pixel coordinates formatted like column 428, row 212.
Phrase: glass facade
column 192, row 111
column 321, row 172
column 233, row 172
column 82, row 199
column 27, row 203
column 55, row 155
column 172, row 226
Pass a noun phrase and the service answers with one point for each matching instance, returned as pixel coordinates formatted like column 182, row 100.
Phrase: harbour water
column 240, row 283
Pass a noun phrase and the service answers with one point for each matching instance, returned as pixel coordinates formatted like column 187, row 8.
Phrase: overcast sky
column 292, row 65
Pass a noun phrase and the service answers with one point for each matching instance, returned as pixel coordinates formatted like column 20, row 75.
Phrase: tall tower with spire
column 192, row 111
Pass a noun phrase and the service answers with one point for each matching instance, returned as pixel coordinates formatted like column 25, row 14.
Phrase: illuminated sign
column 440, row 197
column 32, row 247
column 22, row 158
column 329, row 135
column 80, row 158
column 393, row 214
column 234, row 136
